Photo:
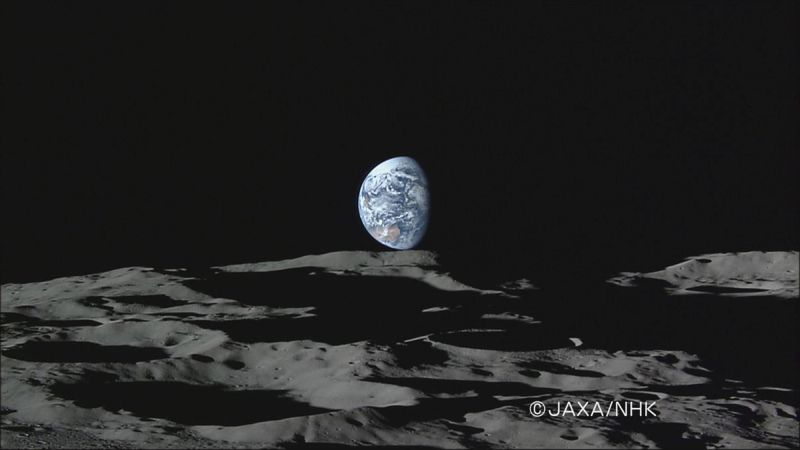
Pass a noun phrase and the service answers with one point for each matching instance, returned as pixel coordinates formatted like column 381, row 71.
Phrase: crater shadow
column 178, row 402
column 9, row 318
column 71, row 351
column 158, row 300
column 560, row 369
column 177, row 314
column 517, row 339
column 668, row 434
column 752, row 339
column 96, row 302
column 724, row 289
column 453, row 409
column 67, row 323
column 347, row 308
column 342, row 316
column 312, row 287
column 334, row 329
column 417, row 353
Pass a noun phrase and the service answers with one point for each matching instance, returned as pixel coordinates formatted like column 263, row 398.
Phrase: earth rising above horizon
column 394, row 203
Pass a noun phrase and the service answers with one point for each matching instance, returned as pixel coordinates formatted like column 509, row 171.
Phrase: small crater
column 202, row 358
column 354, row 422
column 669, row 358
column 530, row 373
column 482, row 372
column 235, row 365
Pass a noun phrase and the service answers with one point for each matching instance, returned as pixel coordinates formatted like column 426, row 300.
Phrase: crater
column 643, row 396
column 235, row 365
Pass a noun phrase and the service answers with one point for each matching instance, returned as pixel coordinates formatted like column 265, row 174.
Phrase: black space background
column 562, row 140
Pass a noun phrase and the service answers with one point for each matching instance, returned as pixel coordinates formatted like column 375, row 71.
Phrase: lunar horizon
column 303, row 351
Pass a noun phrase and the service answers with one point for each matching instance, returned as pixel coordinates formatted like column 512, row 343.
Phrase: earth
column 394, row 203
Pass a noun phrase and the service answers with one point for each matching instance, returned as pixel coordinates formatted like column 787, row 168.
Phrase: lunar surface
column 362, row 348
column 394, row 203
column 734, row 274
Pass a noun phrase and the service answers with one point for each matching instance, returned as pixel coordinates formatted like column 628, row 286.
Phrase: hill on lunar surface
column 735, row 274
column 386, row 348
